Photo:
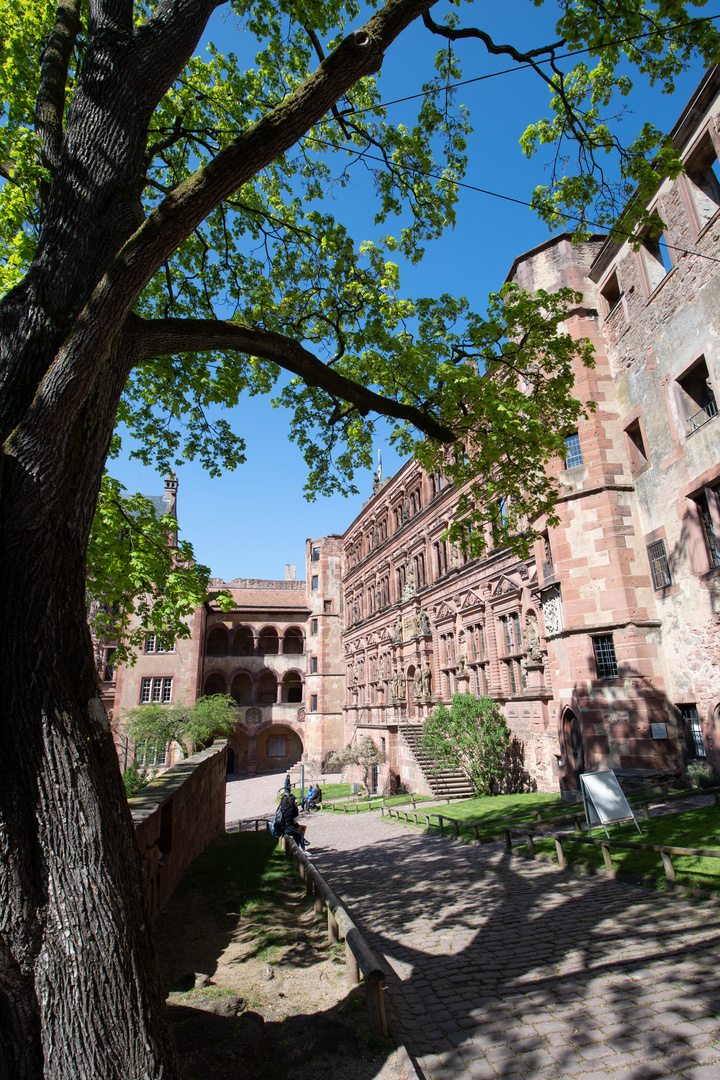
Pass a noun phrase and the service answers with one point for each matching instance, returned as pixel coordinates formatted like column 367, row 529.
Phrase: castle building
column 603, row 647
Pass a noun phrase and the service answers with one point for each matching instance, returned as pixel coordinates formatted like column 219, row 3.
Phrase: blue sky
column 252, row 522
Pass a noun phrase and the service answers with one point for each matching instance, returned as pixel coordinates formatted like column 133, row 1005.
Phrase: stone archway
column 573, row 750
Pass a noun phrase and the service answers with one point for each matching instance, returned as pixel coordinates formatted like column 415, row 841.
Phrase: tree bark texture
column 80, row 995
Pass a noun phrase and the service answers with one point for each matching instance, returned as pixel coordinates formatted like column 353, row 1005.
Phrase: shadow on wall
column 624, row 723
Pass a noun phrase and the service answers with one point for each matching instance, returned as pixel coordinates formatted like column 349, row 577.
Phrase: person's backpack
column 279, row 822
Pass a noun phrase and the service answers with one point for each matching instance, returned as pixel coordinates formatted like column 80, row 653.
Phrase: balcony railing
column 699, row 418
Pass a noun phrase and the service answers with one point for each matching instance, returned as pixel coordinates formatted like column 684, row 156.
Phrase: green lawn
column 520, row 808
column 241, row 869
column 691, row 828
column 374, row 802
column 329, row 791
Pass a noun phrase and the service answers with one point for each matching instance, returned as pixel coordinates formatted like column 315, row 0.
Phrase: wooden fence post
column 508, row 839
column 607, row 858
column 318, row 904
column 456, row 828
column 560, row 853
column 530, row 844
column 352, row 970
column 440, row 822
column 376, row 1007
column 475, row 833
column 668, row 864
column 332, row 928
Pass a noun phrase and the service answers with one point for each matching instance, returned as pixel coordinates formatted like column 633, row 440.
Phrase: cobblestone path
column 507, row 967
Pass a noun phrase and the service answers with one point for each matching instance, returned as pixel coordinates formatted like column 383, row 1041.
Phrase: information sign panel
column 604, row 801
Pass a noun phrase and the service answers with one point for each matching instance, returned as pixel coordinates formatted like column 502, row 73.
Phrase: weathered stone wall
column 175, row 818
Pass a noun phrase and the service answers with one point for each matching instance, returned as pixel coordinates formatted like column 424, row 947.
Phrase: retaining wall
column 175, row 818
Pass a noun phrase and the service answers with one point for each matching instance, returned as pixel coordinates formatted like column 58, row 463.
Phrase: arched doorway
column 243, row 642
column 214, row 684
column 293, row 642
column 241, row 688
column 217, row 642
column 573, row 749
column 268, row 641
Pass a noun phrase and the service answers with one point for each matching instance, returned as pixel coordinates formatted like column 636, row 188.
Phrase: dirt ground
column 255, row 991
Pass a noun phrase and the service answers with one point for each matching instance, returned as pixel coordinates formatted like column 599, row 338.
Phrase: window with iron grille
column 573, row 452
column 605, row 658
column 313, row 665
column 314, row 626
column 693, row 731
column 313, row 702
column 314, row 582
column 156, row 689
column 659, row 565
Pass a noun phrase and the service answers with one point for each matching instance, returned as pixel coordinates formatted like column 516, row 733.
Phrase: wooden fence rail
column 664, row 850
column 359, row 957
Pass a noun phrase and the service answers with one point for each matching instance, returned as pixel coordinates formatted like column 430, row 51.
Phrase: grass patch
column 692, row 828
column 329, row 791
column 374, row 802
column 520, row 808
column 245, row 869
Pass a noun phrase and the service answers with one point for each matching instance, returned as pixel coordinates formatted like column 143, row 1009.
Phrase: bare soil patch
column 255, row 991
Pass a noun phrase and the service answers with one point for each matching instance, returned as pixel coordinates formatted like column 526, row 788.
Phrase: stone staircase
column 444, row 781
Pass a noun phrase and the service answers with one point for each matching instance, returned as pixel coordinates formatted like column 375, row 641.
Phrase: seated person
column 285, row 821
column 309, row 797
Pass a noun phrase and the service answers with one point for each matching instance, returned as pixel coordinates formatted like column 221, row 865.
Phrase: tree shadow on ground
column 532, row 968
column 239, row 929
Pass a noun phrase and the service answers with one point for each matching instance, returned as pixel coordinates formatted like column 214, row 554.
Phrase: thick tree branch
column 160, row 337
column 497, row 50
column 53, row 80
column 60, row 393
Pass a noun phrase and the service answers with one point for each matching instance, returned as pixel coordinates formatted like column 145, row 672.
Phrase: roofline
column 546, row 244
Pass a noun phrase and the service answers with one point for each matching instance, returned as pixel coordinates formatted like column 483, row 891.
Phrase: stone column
column 252, row 762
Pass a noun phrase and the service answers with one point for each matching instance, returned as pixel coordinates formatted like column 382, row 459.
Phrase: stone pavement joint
column 505, row 967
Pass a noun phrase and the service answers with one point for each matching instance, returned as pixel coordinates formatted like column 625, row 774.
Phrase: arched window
column 241, row 688
column 268, row 641
column 243, row 642
column 293, row 642
column 214, row 684
column 292, row 688
column 267, row 687
column 217, row 642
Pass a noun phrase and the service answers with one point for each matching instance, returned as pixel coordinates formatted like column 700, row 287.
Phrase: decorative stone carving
column 462, row 650
column 552, row 610
column 427, row 679
column 409, row 589
column 424, row 623
column 394, row 686
column 401, row 685
column 417, row 684
column 454, row 556
column 253, row 716
column 406, row 511
column 398, row 635
column 532, row 639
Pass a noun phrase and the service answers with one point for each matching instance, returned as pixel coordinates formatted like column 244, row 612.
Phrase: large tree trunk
column 80, row 995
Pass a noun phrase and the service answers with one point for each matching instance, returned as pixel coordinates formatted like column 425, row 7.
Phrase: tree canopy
column 188, row 725
column 473, row 736
column 167, row 242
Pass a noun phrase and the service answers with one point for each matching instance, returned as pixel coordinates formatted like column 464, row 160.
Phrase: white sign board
column 604, row 801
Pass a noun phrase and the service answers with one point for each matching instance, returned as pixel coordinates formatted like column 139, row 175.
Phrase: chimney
column 290, row 571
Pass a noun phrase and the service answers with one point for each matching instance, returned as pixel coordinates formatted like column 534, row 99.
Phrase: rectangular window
column 656, row 260
column 313, row 665
column 510, row 668
column 314, row 581
column 611, row 292
column 158, row 643
column 327, row 605
column 314, row 626
column 605, row 658
column 150, row 643
column 635, row 445
column 703, row 182
column 697, row 397
column 276, row 746
column 313, row 702
column 155, row 689
column 515, row 632
column 573, row 451
column 109, row 665
column 693, row 731
column 659, row 565
column 150, row 752
column 712, row 546
column 481, row 641
column 316, row 554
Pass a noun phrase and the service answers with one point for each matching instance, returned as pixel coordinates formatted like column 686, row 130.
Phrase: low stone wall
column 175, row 818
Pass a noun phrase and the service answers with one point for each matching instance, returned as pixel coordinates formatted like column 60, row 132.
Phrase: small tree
column 473, row 736
column 190, row 726
column 363, row 753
